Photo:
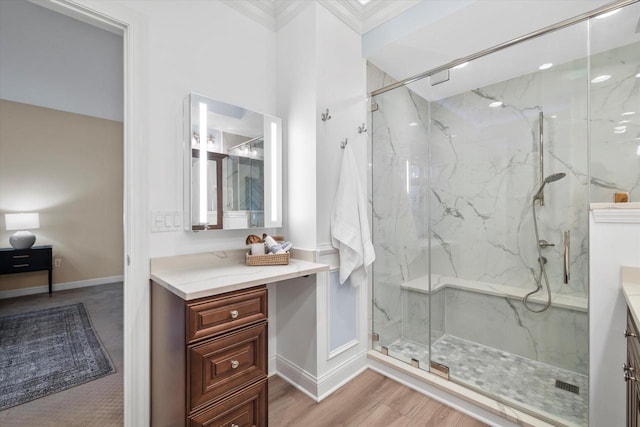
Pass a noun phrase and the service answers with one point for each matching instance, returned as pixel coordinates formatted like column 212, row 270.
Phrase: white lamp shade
column 22, row 221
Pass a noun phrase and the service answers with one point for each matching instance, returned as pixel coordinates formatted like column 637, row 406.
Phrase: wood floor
column 369, row 400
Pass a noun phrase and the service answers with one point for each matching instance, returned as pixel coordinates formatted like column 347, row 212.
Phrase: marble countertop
column 629, row 205
column 202, row 275
column 631, row 290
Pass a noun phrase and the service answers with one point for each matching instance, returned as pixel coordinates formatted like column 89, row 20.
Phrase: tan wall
column 69, row 168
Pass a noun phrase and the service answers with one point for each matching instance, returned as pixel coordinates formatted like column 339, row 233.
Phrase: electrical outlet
column 57, row 262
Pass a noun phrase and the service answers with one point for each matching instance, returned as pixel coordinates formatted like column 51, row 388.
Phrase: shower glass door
column 481, row 186
column 504, row 126
column 400, row 197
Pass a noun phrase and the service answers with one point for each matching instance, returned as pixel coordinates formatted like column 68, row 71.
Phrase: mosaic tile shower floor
column 510, row 377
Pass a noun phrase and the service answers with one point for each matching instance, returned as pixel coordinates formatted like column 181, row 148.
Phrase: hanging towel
column 349, row 223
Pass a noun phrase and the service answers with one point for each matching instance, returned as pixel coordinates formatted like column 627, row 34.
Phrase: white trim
column 297, row 377
column 350, row 344
column 12, row 293
column 344, row 347
column 341, row 374
column 134, row 28
column 619, row 216
column 319, row 388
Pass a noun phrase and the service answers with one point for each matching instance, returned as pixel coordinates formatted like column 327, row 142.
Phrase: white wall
column 50, row 60
column 611, row 245
column 296, row 76
column 341, row 87
column 211, row 49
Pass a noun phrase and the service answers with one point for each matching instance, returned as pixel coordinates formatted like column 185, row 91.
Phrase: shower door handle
column 566, row 240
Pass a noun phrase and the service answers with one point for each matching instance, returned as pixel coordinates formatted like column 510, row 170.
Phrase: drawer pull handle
column 628, row 333
column 234, row 364
column 20, row 256
column 234, row 314
column 20, row 265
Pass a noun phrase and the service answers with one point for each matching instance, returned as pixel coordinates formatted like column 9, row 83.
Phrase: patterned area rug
column 47, row 351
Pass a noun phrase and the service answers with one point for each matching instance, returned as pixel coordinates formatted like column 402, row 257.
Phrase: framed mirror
column 239, row 185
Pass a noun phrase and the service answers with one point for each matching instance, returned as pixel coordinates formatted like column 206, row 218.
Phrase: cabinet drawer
column 221, row 366
column 209, row 317
column 17, row 261
column 246, row 409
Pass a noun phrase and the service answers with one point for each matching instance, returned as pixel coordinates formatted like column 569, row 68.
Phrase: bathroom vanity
column 209, row 323
column 631, row 290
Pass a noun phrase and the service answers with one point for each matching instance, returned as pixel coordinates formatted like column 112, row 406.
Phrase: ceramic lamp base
column 22, row 239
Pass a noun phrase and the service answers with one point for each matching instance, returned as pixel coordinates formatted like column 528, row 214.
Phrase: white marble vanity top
column 202, row 275
column 631, row 290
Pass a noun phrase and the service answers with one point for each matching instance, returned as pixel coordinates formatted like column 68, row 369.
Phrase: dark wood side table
column 36, row 258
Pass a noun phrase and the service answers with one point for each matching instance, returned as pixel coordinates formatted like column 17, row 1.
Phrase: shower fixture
column 551, row 178
column 540, row 244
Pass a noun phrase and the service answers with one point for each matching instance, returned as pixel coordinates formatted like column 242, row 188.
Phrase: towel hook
column 344, row 143
column 325, row 116
column 362, row 129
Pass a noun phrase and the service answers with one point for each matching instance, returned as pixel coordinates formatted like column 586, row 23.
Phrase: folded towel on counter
column 349, row 223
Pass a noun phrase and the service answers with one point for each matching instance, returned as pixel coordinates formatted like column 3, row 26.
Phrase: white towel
column 349, row 223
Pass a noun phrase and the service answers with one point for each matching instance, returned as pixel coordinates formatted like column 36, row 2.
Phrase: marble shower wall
column 485, row 171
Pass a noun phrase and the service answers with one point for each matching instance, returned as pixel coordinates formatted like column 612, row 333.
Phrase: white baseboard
column 319, row 388
column 12, row 293
column 341, row 374
column 297, row 377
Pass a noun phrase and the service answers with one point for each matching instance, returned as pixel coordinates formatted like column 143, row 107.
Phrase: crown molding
column 274, row 14
column 261, row 11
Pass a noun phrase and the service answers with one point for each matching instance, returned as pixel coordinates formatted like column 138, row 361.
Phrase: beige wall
column 67, row 167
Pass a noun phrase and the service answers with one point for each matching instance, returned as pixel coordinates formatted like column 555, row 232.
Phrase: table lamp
column 22, row 239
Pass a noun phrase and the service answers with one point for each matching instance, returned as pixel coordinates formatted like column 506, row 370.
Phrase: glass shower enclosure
column 481, row 182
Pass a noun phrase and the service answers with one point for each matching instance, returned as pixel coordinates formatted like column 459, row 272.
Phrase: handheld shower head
column 551, row 178
column 554, row 177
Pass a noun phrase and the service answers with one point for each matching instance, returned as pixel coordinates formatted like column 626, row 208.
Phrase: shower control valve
column 544, row 244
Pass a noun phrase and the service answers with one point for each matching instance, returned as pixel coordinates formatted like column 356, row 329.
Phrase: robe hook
column 325, row 116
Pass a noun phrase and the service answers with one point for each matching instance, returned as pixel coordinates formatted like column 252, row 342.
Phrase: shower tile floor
column 509, row 377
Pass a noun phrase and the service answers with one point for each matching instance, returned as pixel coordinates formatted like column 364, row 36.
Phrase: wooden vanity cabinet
column 632, row 373
column 209, row 359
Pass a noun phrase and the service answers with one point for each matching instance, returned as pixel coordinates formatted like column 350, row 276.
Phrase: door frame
column 117, row 18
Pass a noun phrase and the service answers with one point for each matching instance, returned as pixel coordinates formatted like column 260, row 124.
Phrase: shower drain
column 567, row 387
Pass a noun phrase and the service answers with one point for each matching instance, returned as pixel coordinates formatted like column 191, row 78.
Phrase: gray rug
column 47, row 351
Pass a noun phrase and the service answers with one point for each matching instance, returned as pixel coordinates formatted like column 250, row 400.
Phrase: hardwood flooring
column 369, row 400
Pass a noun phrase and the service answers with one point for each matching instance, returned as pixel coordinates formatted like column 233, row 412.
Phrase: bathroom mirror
column 239, row 185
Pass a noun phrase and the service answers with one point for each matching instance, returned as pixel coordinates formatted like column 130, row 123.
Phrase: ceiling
column 408, row 37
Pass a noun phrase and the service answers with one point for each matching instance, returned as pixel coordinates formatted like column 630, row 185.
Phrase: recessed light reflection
column 495, row 104
column 413, row 124
column 638, row 150
column 638, row 75
column 628, row 113
column 545, row 66
column 619, row 129
column 606, row 15
column 554, row 116
column 621, row 122
column 464, row 64
column 601, row 78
